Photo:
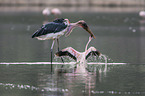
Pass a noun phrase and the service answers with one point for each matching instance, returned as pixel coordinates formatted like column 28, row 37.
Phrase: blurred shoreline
column 72, row 2
column 73, row 5
column 105, row 9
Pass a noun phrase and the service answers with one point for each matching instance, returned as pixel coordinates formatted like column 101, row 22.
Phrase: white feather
column 52, row 35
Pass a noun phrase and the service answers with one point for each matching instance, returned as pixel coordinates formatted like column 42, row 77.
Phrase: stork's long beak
column 90, row 32
column 83, row 24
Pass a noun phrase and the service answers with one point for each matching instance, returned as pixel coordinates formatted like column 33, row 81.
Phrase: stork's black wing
column 94, row 53
column 65, row 53
column 52, row 27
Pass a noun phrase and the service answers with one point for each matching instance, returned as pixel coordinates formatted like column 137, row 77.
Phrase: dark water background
column 119, row 35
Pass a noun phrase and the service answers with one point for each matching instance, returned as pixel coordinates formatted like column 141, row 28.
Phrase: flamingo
column 142, row 14
column 46, row 12
column 53, row 30
column 80, row 57
column 56, row 12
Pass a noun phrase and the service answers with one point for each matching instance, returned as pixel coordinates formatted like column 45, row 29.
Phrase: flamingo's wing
column 65, row 53
column 92, row 51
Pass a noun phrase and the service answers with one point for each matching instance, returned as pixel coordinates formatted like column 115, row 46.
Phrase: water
column 119, row 35
column 33, row 80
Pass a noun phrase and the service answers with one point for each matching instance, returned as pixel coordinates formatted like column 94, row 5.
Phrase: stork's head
column 66, row 21
column 84, row 25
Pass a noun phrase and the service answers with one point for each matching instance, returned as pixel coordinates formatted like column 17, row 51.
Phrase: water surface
column 119, row 35
column 37, row 80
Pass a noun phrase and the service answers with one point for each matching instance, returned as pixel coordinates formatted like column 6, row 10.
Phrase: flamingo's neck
column 90, row 38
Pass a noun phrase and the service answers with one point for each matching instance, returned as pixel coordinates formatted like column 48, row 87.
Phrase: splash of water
column 65, row 58
column 99, row 62
column 101, row 59
column 105, row 59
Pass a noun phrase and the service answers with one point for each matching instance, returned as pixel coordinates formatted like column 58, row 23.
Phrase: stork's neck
column 73, row 24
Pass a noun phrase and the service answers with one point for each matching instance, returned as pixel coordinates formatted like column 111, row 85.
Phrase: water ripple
column 117, row 92
column 20, row 86
column 48, row 89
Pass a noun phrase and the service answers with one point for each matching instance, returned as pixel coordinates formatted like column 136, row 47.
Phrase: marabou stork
column 53, row 30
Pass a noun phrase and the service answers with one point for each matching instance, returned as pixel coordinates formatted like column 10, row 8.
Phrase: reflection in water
column 111, row 30
column 71, row 84
column 142, row 25
column 80, row 82
column 68, row 83
column 87, row 90
column 142, row 38
column 19, row 86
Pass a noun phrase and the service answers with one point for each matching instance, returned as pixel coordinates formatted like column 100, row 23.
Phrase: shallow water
column 37, row 80
column 119, row 35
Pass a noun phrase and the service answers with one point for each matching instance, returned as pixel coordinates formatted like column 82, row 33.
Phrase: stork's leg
column 58, row 44
column 51, row 53
column 58, row 50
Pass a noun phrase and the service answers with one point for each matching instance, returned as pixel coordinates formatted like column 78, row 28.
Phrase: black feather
column 66, row 53
column 59, row 20
column 51, row 27
column 94, row 53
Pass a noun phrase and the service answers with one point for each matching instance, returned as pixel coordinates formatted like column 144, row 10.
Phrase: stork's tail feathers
column 34, row 35
column 39, row 32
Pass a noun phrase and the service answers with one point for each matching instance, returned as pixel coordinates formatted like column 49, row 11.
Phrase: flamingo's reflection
column 70, row 84
column 78, row 82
